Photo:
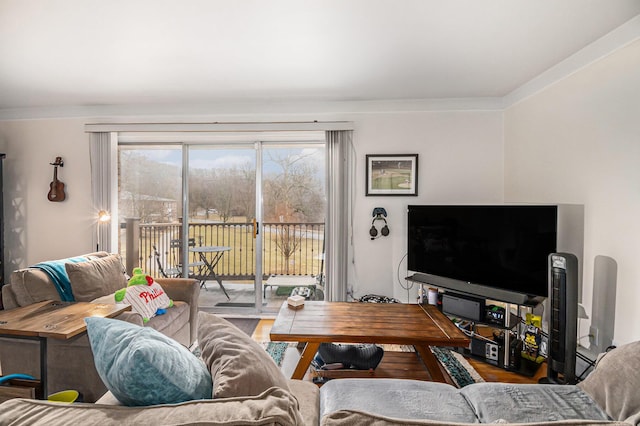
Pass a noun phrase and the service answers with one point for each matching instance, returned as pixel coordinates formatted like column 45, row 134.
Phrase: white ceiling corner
column 168, row 57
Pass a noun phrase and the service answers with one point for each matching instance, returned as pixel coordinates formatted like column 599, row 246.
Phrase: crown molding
column 606, row 45
column 240, row 110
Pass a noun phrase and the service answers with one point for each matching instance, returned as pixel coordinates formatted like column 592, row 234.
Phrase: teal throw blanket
column 58, row 274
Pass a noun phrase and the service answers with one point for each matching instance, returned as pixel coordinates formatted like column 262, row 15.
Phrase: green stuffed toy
column 145, row 296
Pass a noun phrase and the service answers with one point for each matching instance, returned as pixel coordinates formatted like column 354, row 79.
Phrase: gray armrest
column 183, row 289
column 8, row 299
column 613, row 384
column 186, row 290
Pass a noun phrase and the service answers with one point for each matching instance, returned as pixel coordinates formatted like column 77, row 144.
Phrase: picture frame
column 392, row 174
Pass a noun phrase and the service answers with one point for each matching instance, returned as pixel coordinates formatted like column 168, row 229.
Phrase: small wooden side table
column 52, row 319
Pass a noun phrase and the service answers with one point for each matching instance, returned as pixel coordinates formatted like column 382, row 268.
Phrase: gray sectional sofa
column 248, row 390
column 95, row 279
column 608, row 395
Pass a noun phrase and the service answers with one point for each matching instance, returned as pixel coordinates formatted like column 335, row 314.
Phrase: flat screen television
column 498, row 251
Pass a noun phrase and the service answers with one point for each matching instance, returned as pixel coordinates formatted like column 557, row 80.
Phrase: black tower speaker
column 563, row 322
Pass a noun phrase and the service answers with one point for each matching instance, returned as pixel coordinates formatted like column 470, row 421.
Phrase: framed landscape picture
column 395, row 174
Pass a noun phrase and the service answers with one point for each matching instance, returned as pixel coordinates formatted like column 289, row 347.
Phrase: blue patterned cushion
column 142, row 366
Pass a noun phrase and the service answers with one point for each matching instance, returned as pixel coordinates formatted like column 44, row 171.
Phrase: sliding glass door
column 250, row 228
column 222, row 216
column 294, row 210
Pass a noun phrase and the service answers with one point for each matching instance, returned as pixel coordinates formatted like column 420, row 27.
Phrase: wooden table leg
column 431, row 362
column 306, row 357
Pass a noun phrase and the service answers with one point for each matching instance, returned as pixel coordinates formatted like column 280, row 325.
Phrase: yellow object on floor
column 67, row 396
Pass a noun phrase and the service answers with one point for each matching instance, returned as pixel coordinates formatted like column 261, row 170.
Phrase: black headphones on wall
column 379, row 213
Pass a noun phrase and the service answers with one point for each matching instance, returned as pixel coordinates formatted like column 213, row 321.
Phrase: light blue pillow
column 142, row 366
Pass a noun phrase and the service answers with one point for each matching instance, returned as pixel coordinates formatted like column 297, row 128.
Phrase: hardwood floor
column 261, row 333
column 488, row 372
column 494, row 374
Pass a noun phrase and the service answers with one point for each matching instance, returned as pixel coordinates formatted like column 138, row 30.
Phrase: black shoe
column 360, row 357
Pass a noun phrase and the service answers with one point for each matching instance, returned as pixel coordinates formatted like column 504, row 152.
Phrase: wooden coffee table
column 50, row 319
column 385, row 323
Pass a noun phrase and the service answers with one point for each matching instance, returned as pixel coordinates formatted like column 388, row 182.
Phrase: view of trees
column 148, row 189
column 293, row 189
column 227, row 193
column 294, row 192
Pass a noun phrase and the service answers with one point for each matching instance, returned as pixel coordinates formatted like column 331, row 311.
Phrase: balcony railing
column 288, row 248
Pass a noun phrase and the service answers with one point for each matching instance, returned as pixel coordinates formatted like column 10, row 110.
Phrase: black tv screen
column 500, row 246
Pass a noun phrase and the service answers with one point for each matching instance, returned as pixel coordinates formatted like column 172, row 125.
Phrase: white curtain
column 337, row 225
column 103, row 155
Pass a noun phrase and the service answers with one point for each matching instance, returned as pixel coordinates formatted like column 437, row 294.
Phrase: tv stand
column 499, row 354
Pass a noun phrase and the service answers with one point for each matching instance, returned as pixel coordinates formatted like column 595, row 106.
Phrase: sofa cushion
column 361, row 418
column 141, row 366
column 614, row 383
column 530, row 403
column 239, row 366
column 273, row 407
column 401, row 401
column 397, row 398
column 308, row 395
column 172, row 320
column 98, row 277
column 31, row 285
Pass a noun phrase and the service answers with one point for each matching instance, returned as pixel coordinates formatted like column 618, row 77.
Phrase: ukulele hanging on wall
column 56, row 191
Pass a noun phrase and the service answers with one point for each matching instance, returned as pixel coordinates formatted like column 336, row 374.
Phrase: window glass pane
column 222, row 200
column 294, row 203
column 149, row 190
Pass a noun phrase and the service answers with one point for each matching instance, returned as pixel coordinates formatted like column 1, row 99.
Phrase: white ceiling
column 92, row 53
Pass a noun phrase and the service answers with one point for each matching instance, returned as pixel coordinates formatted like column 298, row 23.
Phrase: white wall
column 461, row 161
column 578, row 142
column 35, row 228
